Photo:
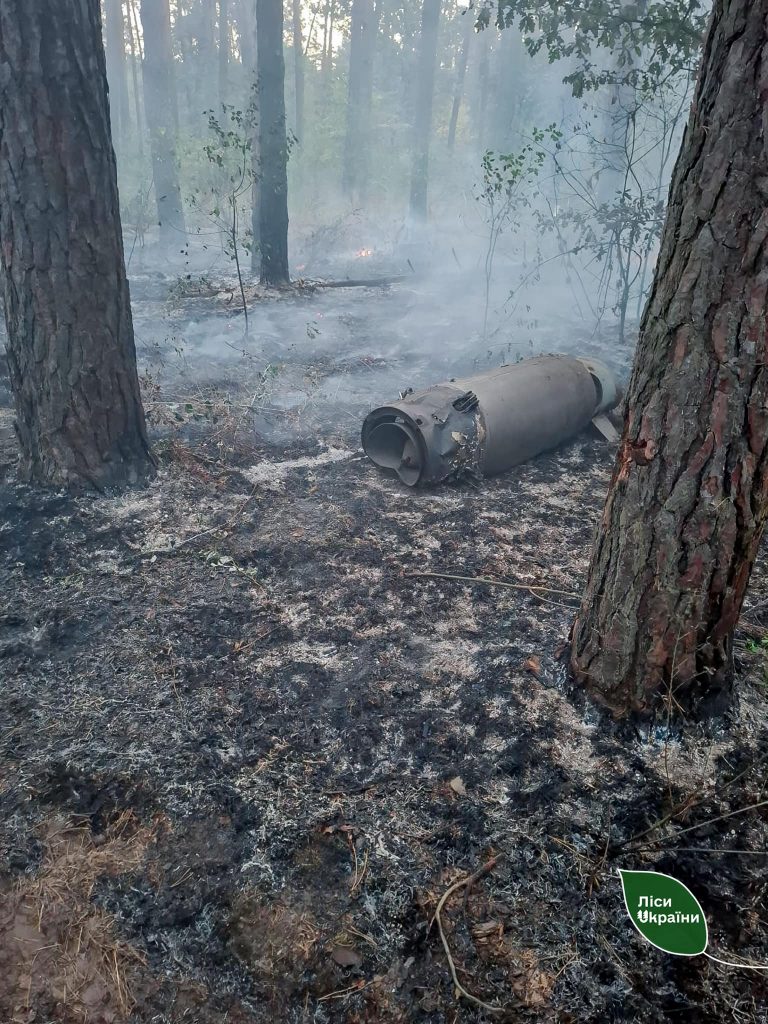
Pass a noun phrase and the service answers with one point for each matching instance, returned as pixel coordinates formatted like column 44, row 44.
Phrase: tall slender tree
column 273, row 143
column 298, row 69
column 461, row 74
column 70, row 348
column 224, row 52
column 114, row 32
column 159, row 102
column 245, row 21
column 688, row 501
column 134, row 47
column 359, row 94
column 422, row 124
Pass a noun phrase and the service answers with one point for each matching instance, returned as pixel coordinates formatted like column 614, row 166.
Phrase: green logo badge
column 665, row 912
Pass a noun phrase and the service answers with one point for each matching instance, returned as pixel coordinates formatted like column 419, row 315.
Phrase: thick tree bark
column 71, row 351
column 114, row 32
column 687, row 503
column 422, row 125
column 159, row 101
column 273, row 219
column 359, row 94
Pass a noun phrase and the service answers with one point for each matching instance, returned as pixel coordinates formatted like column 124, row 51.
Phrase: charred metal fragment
column 483, row 425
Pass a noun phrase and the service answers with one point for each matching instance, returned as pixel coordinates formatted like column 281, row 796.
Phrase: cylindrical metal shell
column 486, row 424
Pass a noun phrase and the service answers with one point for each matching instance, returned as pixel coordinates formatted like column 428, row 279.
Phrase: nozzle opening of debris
column 393, row 444
column 484, row 425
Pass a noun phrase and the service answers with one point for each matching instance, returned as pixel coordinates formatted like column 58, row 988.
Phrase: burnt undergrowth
column 261, row 747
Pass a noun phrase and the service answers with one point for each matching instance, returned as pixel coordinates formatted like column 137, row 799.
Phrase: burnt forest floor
column 245, row 750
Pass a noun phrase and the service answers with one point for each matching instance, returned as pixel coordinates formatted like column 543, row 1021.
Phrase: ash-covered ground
column 246, row 748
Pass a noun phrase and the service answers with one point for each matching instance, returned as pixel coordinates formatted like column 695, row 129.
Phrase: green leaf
column 665, row 912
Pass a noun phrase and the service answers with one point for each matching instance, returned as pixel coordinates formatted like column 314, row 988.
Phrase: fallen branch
column 373, row 282
column 363, row 788
column 468, row 881
column 491, row 583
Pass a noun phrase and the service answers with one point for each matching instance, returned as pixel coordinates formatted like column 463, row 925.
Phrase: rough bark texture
column 273, row 220
column 359, row 95
column 159, row 104
column 687, row 503
column 71, row 351
column 422, row 126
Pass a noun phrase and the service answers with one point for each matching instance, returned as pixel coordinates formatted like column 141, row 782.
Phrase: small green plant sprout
column 228, row 151
column 504, row 191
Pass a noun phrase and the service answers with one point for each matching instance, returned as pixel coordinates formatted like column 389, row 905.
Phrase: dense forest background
column 541, row 147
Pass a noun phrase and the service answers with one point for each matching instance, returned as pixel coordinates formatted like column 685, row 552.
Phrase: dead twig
column 531, row 587
column 701, row 824
column 468, row 881
column 356, row 790
column 686, row 805
column 198, row 536
column 594, row 882
column 341, row 992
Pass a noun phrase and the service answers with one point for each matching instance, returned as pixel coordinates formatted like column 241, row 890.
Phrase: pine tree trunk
column 273, row 219
column 159, row 100
column 205, row 34
column 461, row 74
column 482, row 88
column 223, row 52
column 688, row 500
column 116, row 69
column 245, row 21
column 246, row 24
column 430, row 23
column 359, row 93
column 298, row 69
column 328, row 62
column 70, row 348
column 134, row 42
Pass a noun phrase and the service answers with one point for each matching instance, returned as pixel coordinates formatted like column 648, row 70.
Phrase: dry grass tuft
column 60, row 957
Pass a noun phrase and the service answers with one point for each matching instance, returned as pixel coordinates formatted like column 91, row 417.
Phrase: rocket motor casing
column 484, row 425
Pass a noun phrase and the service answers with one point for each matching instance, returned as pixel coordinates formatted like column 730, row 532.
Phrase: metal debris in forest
column 483, row 425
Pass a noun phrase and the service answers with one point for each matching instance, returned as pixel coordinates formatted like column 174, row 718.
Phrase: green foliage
column 505, row 191
column 666, row 35
column 505, row 173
